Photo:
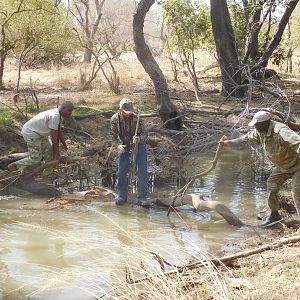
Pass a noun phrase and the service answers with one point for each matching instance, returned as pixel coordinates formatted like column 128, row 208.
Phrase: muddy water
column 81, row 253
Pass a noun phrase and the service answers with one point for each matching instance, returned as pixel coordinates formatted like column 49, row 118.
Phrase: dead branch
column 225, row 259
column 201, row 203
column 8, row 159
column 106, row 114
column 183, row 190
column 246, row 253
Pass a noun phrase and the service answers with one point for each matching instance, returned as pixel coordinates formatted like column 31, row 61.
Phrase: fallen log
column 197, row 201
column 202, row 203
column 228, row 258
column 222, row 260
column 106, row 114
column 8, row 159
column 96, row 193
column 92, row 194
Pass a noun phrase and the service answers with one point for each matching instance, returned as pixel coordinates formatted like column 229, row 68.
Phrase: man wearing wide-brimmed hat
column 124, row 124
column 282, row 146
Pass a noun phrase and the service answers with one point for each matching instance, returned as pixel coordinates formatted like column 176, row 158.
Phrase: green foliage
column 39, row 25
column 189, row 24
column 6, row 117
column 290, row 272
column 239, row 24
column 9, row 116
column 278, row 56
column 12, row 150
column 290, row 40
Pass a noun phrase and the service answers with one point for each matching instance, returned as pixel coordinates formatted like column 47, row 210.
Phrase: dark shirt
column 123, row 129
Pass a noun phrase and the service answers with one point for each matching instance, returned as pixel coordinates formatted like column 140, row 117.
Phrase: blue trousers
column 141, row 169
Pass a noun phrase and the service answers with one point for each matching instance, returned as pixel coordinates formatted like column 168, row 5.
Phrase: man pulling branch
column 282, row 146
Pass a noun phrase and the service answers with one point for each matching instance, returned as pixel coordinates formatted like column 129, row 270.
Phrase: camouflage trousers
column 39, row 150
column 275, row 182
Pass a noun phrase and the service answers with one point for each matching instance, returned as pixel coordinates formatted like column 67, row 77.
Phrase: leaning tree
column 167, row 110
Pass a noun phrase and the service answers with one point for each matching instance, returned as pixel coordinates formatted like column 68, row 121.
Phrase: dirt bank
column 273, row 274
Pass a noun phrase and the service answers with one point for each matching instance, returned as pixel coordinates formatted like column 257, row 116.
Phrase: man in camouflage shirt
column 123, row 126
column 282, row 146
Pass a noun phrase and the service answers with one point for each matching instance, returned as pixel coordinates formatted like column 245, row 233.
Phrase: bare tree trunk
column 87, row 56
column 2, row 60
column 289, row 63
column 28, row 46
column 263, row 61
column 167, row 109
column 90, row 27
column 226, row 50
column 173, row 64
column 254, row 26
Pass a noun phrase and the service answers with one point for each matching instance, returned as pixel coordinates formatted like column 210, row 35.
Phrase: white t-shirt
column 41, row 124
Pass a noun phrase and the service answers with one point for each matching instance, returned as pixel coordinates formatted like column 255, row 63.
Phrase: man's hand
column 224, row 142
column 136, row 139
column 121, row 148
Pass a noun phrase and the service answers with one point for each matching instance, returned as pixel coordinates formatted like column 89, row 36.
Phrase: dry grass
column 130, row 254
column 61, row 77
column 64, row 82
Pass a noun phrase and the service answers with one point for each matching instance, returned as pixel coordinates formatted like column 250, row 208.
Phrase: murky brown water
column 78, row 254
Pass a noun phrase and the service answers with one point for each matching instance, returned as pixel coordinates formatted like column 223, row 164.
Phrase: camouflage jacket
column 282, row 145
column 122, row 129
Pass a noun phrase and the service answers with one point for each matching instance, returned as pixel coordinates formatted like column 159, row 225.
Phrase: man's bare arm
column 63, row 140
column 55, row 143
column 234, row 142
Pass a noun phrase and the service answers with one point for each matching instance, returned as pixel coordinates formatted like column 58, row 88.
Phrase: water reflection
column 78, row 254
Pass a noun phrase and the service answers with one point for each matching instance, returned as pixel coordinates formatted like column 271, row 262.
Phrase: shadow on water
column 76, row 254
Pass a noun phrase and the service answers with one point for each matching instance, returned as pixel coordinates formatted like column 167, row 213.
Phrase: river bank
column 57, row 254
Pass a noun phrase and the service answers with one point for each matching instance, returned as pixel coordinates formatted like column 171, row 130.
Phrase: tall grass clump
column 127, row 267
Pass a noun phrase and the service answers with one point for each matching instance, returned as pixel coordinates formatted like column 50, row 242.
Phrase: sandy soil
column 272, row 274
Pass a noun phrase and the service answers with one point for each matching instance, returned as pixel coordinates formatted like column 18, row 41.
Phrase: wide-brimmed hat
column 260, row 116
column 127, row 105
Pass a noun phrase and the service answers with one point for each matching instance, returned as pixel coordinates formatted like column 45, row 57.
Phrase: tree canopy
column 39, row 25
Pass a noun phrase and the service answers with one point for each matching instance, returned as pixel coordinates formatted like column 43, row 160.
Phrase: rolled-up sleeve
column 291, row 137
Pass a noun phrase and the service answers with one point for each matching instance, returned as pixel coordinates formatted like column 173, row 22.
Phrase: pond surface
column 82, row 252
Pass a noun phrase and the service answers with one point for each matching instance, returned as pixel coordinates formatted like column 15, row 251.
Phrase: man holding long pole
column 127, row 130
